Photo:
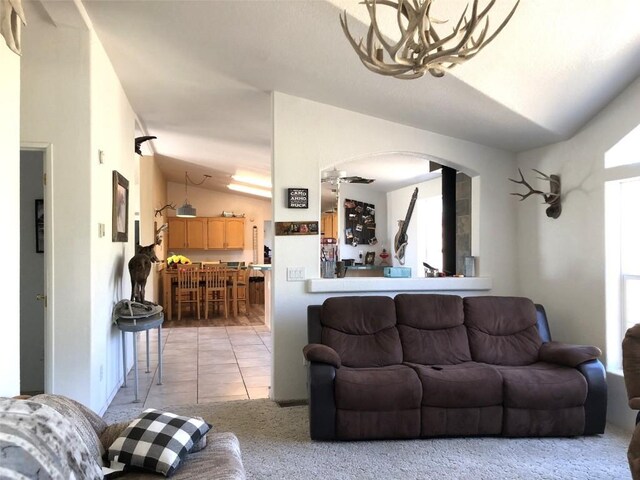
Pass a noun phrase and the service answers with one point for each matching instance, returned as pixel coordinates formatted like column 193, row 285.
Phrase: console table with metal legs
column 135, row 325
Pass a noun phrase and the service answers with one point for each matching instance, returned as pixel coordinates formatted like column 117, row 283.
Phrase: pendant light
column 187, row 210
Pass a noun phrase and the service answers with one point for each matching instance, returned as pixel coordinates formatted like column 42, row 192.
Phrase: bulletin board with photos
column 360, row 223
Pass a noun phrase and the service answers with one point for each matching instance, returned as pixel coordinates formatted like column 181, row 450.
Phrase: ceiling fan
column 336, row 176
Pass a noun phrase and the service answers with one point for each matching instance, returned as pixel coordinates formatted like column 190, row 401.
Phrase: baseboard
column 292, row 403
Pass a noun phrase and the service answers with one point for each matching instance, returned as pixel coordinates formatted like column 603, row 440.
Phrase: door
column 32, row 272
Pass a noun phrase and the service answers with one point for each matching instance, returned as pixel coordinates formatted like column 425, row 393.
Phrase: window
column 622, row 239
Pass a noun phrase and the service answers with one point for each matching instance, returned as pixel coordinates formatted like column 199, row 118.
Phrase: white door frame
column 49, row 344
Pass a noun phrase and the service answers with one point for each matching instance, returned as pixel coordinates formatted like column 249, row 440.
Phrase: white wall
column 321, row 136
column 10, row 197
column 209, row 203
column 55, row 109
column 153, row 195
column 112, row 131
column 397, row 205
column 562, row 262
column 72, row 99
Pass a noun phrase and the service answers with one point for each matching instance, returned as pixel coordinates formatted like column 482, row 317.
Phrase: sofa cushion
column 447, row 421
column 543, row 386
column 362, row 330
column 464, row 385
column 502, row 330
column 396, row 387
column 432, row 330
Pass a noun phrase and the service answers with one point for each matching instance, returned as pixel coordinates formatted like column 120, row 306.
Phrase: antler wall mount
column 158, row 211
column 552, row 197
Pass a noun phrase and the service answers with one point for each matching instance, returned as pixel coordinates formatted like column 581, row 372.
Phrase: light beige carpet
column 275, row 445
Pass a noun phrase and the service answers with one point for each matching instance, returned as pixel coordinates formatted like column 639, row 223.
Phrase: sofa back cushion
column 432, row 330
column 362, row 330
column 502, row 330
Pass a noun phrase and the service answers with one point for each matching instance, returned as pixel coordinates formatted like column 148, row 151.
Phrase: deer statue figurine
column 140, row 265
column 551, row 198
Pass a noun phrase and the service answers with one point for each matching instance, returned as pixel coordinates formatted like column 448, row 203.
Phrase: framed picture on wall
column 120, row 214
column 39, row 225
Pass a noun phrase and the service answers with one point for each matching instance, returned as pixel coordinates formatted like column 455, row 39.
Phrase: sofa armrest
column 595, row 406
column 317, row 352
column 567, row 354
column 322, row 402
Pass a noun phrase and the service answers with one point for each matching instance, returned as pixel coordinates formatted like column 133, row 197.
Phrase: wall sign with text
column 297, row 198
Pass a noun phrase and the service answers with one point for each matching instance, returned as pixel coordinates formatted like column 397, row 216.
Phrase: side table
column 134, row 323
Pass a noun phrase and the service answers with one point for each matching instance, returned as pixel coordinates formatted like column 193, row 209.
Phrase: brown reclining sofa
column 441, row 365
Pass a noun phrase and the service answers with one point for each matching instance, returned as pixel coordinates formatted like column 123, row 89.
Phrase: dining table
column 169, row 289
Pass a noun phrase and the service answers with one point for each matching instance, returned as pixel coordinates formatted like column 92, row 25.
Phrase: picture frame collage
column 360, row 223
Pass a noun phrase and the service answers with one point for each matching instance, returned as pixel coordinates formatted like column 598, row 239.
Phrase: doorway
column 35, row 250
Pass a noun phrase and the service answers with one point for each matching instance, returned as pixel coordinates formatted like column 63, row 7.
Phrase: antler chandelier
column 421, row 48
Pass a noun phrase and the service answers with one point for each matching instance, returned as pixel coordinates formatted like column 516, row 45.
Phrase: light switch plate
column 101, row 230
column 295, row 274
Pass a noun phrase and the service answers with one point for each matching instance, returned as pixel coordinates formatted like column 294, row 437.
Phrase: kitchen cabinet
column 329, row 225
column 225, row 233
column 187, row 233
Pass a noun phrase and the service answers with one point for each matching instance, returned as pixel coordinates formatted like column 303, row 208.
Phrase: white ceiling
column 199, row 73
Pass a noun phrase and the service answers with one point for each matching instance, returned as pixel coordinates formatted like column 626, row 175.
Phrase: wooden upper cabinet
column 197, row 233
column 329, row 225
column 177, row 233
column 215, row 233
column 187, row 233
column 234, row 233
column 225, row 233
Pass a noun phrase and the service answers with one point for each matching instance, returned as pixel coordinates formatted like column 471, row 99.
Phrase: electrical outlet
column 101, row 230
column 295, row 274
column 101, row 156
column 101, row 372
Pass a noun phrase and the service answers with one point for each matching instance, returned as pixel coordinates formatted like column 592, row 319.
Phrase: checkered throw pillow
column 157, row 441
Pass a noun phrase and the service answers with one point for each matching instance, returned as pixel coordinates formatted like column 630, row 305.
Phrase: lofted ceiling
column 199, row 73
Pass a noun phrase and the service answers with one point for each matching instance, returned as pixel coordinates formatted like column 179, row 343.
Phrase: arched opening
column 366, row 202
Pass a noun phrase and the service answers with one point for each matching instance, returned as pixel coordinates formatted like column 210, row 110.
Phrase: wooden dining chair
column 215, row 289
column 242, row 289
column 188, row 289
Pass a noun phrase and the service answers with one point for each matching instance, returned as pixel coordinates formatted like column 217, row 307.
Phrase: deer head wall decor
column 551, row 198
column 140, row 265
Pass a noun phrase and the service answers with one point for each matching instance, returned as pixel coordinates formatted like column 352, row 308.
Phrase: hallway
column 201, row 365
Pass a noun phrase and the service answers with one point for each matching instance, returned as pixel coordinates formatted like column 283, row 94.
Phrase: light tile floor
column 202, row 364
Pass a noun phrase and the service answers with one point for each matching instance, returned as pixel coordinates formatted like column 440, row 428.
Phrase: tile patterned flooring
column 202, row 364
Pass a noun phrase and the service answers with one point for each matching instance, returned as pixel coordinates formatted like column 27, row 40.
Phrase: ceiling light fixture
column 258, row 182
column 251, row 190
column 187, row 210
column 421, row 48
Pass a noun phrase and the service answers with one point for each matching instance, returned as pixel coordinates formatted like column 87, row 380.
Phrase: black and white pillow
column 156, row 441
